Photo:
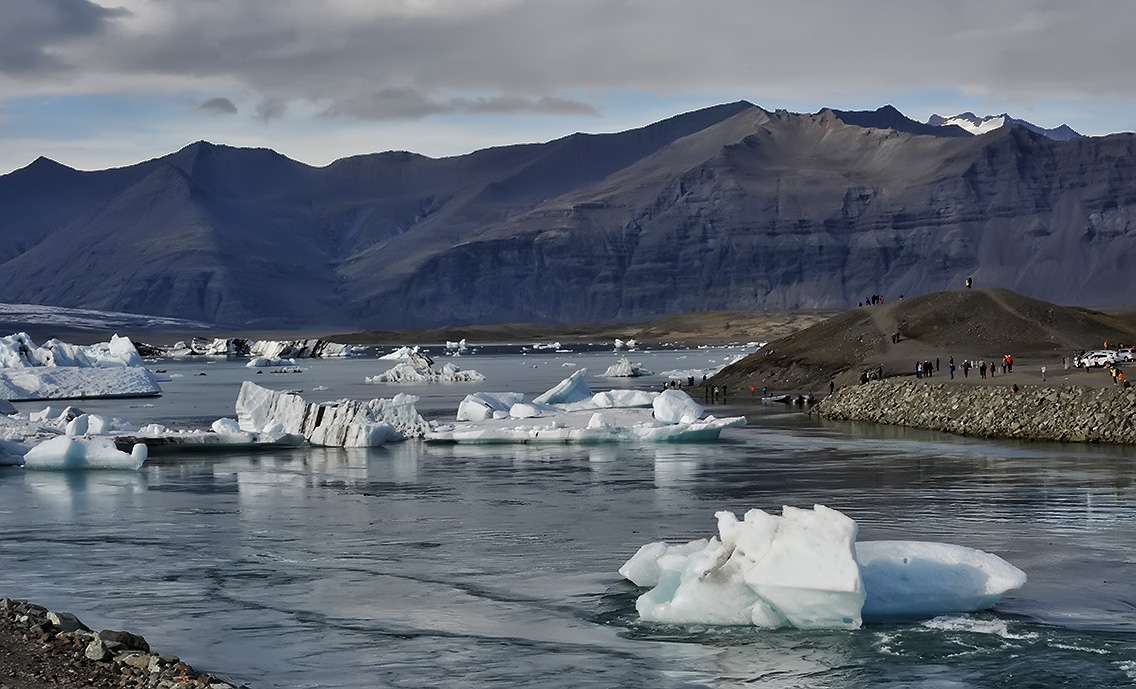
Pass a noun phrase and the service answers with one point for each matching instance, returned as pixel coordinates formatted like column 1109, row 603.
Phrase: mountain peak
column 977, row 126
column 889, row 117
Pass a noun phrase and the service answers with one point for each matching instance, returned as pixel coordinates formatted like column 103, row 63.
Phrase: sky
column 110, row 83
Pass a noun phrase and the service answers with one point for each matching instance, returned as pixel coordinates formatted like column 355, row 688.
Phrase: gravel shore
column 43, row 649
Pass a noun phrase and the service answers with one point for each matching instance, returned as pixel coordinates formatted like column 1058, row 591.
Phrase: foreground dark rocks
column 40, row 648
column 1059, row 413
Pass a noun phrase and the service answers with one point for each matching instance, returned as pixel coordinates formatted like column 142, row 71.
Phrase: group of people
column 983, row 367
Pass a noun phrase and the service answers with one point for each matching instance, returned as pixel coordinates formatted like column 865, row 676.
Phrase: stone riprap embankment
column 41, row 648
column 1059, row 413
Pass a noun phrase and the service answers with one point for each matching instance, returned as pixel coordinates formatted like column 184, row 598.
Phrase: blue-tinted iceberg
column 805, row 569
column 64, row 453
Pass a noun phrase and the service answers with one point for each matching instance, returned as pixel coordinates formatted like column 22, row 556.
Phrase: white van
column 1096, row 359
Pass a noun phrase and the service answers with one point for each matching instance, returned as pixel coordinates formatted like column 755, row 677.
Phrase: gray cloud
column 218, row 106
column 406, row 103
column 413, row 60
column 271, row 109
column 32, row 31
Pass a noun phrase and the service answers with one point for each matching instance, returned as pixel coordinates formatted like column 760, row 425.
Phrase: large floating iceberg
column 571, row 413
column 342, row 423
column 19, row 351
column 57, row 383
column 805, row 569
column 59, row 370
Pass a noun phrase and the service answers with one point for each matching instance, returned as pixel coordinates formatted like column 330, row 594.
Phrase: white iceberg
column 805, row 569
column 399, row 354
column 57, row 382
column 342, row 423
column 407, row 373
column 266, row 362
column 19, row 351
column 905, row 579
column 571, row 413
column 64, row 453
column 624, row 368
column 572, row 389
column 675, row 406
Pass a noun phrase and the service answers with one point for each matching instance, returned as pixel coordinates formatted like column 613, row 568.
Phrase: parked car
column 1126, row 354
column 1097, row 359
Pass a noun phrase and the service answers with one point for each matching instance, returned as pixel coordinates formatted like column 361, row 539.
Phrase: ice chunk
column 917, row 579
column 408, row 373
column 571, row 389
column 625, row 369
column 805, row 569
column 675, row 406
column 482, row 405
column 19, row 351
column 56, row 382
column 798, row 569
column 343, row 423
column 400, row 353
column 12, row 452
column 71, row 453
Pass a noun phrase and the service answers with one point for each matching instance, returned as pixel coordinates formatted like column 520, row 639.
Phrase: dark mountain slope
column 793, row 211
column 978, row 324
column 730, row 207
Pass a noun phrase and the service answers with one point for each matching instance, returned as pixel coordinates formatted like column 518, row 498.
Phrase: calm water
column 418, row 565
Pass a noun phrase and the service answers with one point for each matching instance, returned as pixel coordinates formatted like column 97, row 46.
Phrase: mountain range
column 728, row 207
column 976, row 125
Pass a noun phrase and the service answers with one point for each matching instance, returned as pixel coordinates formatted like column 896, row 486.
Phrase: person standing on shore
column 1043, row 374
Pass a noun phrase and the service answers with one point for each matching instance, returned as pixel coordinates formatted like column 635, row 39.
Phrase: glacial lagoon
column 453, row 566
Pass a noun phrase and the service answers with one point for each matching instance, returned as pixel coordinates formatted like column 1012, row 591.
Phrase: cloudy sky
column 113, row 82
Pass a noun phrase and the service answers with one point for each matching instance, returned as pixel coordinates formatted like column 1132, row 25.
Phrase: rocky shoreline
column 1064, row 413
column 40, row 648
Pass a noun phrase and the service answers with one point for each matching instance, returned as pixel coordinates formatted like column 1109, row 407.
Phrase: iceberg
column 59, row 370
column 343, row 423
column 570, row 412
column 572, row 389
column 65, row 453
column 303, row 349
column 625, row 369
column 19, row 351
column 58, row 382
column 408, row 373
column 400, row 354
column 805, row 569
column 907, row 579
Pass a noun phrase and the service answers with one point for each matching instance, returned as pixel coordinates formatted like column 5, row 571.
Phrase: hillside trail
column 883, row 317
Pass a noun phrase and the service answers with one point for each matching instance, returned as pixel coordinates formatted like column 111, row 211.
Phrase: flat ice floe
column 805, row 569
column 570, row 412
column 58, row 383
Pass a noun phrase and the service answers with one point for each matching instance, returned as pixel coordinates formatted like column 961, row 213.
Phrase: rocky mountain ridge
column 730, row 207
